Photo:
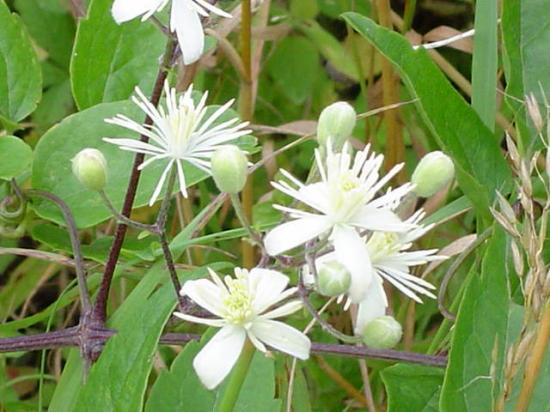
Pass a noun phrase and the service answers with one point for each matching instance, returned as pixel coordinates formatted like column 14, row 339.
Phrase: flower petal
column 206, row 294
column 352, row 252
column 125, row 10
column 282, row 337
column 383, row 220
column 284, row 310
column 217, row 323
column 185, row 21
column 214, row 362
column 267, row 286
column 295, row 233
column 373, row 306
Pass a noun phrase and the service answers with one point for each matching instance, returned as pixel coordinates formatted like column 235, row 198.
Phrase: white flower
column 244, row 308
column 181, row 132
column 185, row 20
column 343, row 203
column 392, row 261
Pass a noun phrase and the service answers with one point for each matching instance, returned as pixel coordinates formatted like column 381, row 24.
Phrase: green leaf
column 485, row 62
column 110, row 60
column 294, row 55
column 15, row 157
column 180, row 389
column 118, row 380
column 526, row 36
column 479, row 337
column 20, row 76
column 51, row 26
column 481, row 168
column 412, row 388
column 52, row 165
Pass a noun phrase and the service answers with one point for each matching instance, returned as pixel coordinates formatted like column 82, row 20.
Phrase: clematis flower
column 244, row 307
column 185, row 20
column 343, row 202
column 180, row 132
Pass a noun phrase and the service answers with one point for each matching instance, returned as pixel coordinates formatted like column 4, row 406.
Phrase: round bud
column 229, row 169
column 333, row 279
column 433, row 173
column 382, row 333
column 336, row 123
column 90, row 168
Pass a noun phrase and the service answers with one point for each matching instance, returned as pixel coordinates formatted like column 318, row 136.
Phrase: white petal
column 217, row 323
column 125, row 10
column 186, row 22
column 160, row 183
column 214, row 362
column 213, row 9
column 205, row 294
column 380, row 219
column 352, row 252
column 284, row 310
column 295, row 233
column 266, row 285
column 373, row 306
column 282, row 337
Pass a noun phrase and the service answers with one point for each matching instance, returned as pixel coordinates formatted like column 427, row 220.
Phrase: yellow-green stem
column 534, row 362
column 246, row 110
column 236, row 379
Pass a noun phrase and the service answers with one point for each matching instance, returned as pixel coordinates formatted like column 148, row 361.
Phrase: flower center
column 238, row 303
column 382, row 244
column 348, row 183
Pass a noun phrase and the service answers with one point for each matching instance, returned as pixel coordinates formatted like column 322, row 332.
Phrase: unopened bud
column 333, row 279
column 382, row 333
column 90, row 168
column 432, row 174
column 229, row 169
column 336, row 123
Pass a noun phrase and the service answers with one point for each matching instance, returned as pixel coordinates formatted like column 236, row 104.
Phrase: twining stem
column 239, row 210
column 124, row 219
column 75, row 244
column 534, row 362
column 100, row 308
column 246, row 111
column 237, row 378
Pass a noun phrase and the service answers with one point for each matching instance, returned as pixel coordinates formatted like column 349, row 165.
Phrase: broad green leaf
column 481, row 168
column 64, row 397
column 412, row 387
column 479, row 336
column 180, row 389
column 294, row 55
column 52, row 165
column 485, row 62
column 15, row 157
column 51, row 27
column 110, row 60
column 526, row 36
column 20, row 76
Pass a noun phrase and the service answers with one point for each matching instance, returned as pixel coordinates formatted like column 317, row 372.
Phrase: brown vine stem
column 534, row 362
column 246, row 111
column 100, row 308
column 71, row 336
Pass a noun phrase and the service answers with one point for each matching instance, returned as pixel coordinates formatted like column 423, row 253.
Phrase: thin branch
column 38, row 254
column 100, row 308
column 70, row 337
column 75, row 244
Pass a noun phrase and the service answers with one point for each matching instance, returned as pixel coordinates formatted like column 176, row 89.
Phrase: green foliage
column 474, row 373
column 16, row 157
column 20, row 79
column 481, row 168
column 110, row 60
column 412, row 388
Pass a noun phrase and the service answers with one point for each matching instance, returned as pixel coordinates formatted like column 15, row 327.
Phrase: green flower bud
column 382, row 333
column 229, row 169
column 90, row 168
column 333, row 279
column 336, row 123
column 432, row 174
